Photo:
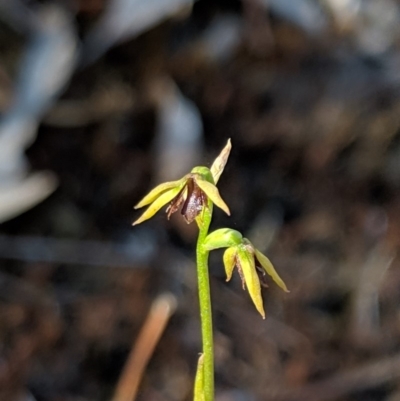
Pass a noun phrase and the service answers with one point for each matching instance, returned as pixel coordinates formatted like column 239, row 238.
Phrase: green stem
column 205, row 304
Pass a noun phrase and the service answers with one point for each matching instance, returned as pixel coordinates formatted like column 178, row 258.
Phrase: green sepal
column 222, row 238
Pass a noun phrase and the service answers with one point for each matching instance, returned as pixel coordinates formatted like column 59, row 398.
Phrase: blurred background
column 100, row 100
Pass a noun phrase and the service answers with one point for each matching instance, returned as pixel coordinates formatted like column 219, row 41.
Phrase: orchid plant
column 195, row 194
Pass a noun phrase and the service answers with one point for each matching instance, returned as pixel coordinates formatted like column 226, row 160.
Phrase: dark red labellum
column 194, row 203
column 195, row 200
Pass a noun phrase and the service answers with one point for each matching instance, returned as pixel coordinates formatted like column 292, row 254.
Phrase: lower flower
column 248, row 260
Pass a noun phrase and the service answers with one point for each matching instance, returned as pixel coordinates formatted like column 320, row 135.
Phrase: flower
column 249, row 261
column 191, row 193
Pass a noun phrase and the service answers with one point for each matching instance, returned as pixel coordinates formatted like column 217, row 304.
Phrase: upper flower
column 192, row 192
column 249, row 261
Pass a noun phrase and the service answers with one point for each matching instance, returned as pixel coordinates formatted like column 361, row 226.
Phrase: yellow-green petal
column 219, row 163
column 158, row 204
column 269, row 268
column 159, row 190
column 247, row 264
column 229, row 261
column 212, row 192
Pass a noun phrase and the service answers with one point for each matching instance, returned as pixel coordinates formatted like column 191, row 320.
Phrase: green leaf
column 222, row 238
column 212, row 192
column 247, row 264
column 162, row 200
column 269, row 268
column 229, row 261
